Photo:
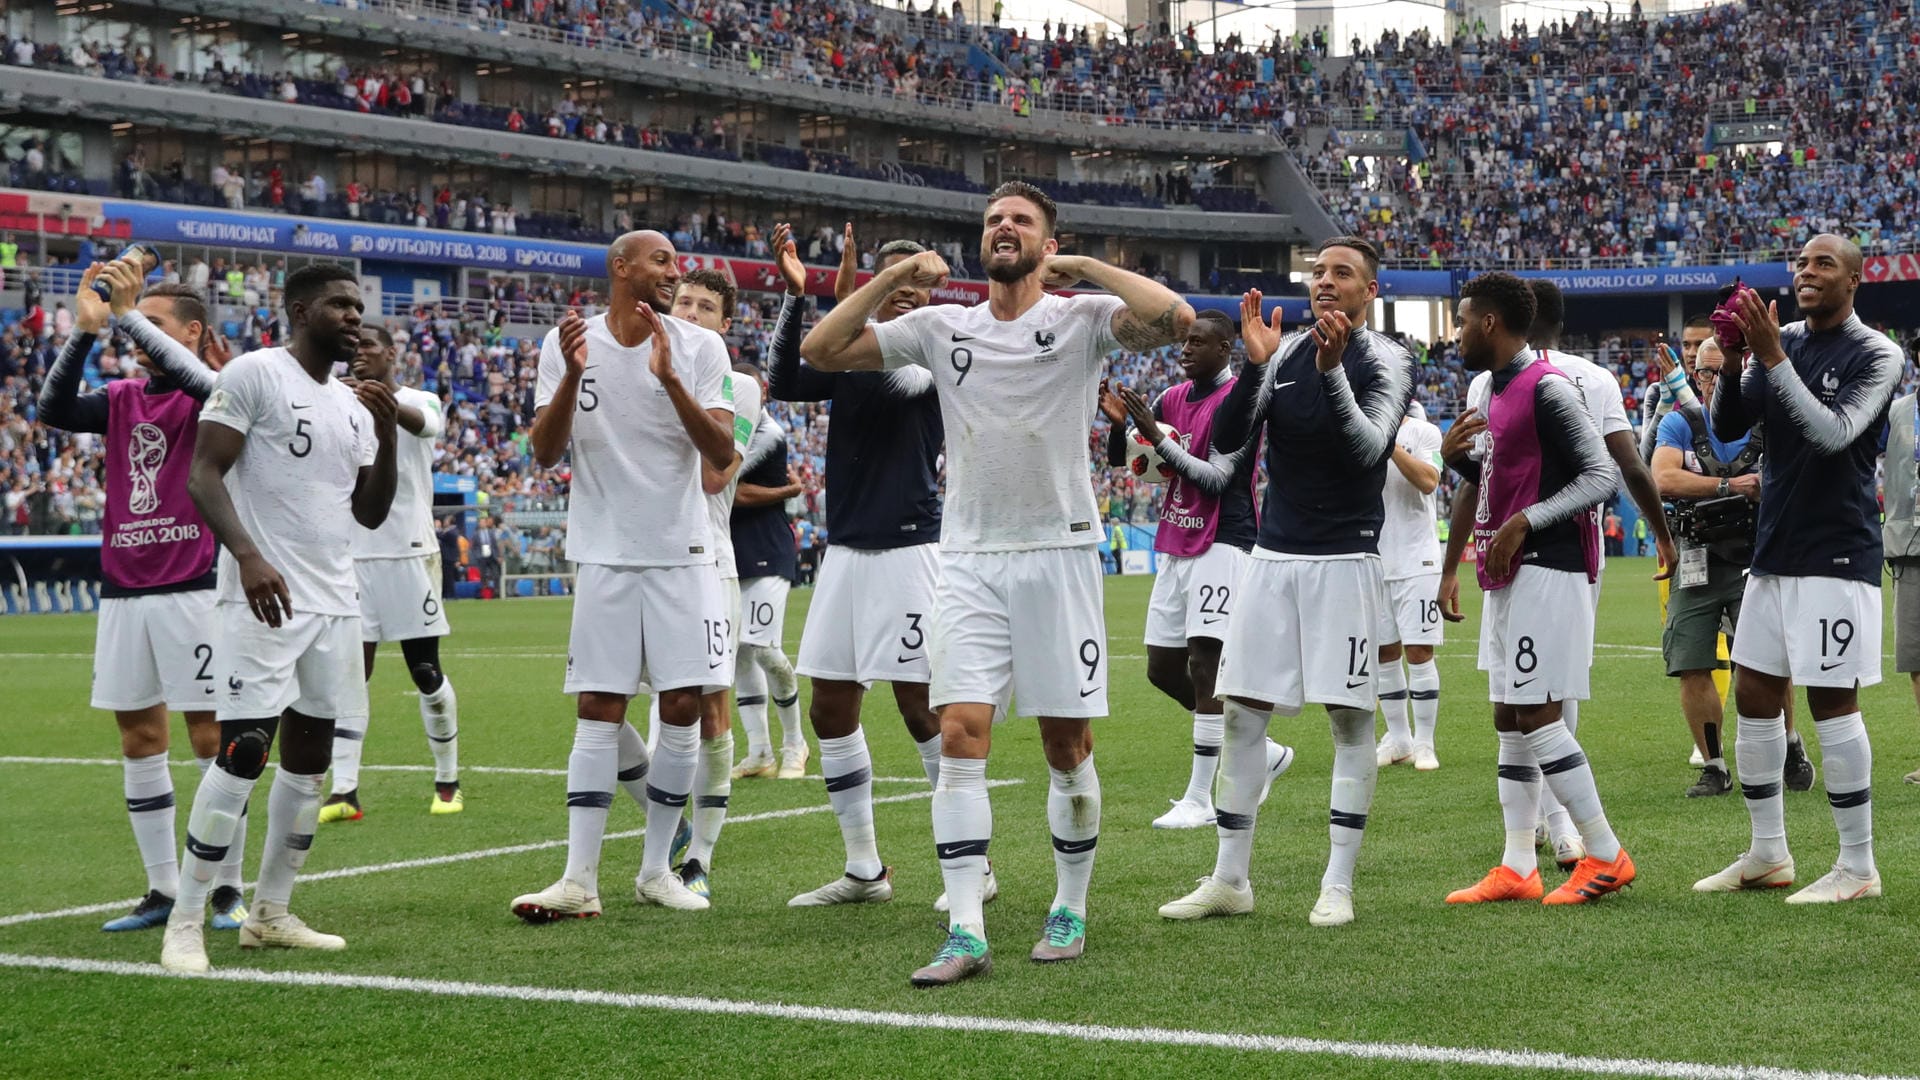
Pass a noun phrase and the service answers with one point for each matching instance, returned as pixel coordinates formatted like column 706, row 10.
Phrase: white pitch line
column 504, row 770
column 1277, row 1045
column 471, row 856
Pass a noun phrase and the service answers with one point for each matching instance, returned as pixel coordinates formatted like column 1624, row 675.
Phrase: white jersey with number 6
column 408, row 531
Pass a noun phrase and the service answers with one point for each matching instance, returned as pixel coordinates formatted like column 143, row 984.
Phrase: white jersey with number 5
column 1017, row 399
column 1410, row 537
column 408, row 531
column 636, row 498
column 292, row 487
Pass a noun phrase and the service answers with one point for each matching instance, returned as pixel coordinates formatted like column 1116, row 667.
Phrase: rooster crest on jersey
column 1044, row 339
column 146, row 453
column 1144, row 460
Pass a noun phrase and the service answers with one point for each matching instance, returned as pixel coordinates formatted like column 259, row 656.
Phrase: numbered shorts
column 763, row 607
column 871, row 614
column 1032, row 622
column 1820, row 631
column 155, row 649
column 664, row 627
column 1536, row 637
column 309, row 663
column 1313, row 632
column 1416, row 610
column 400, row 598
column 1192, row 596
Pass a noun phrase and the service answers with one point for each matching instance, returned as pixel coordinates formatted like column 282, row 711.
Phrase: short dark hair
column 1507, row 295
column 310, row 280
column 378, row 331
column 898, row 247
column 1549, row 309
column 1368, row 253
column 1220, row 321
column 717, row 283
column 1700, row 322
column 1024, row 190
column 188, row 306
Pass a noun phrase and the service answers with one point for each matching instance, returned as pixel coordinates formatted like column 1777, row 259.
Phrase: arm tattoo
column 1140, row 335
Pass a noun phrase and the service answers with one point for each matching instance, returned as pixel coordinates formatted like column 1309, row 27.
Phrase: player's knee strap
column 427, row 676
column 244, row 745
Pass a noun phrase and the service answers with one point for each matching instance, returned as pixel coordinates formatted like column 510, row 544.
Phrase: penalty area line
column 1275, row 1045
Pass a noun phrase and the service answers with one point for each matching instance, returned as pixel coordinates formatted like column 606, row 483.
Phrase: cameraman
column 1900, row 533
column 1714, row 487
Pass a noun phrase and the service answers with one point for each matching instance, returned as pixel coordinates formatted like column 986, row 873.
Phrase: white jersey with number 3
column 408, row 531
column 1017, row 398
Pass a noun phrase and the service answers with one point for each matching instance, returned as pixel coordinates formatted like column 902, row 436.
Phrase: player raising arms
column 153, row 645
column 1542, row 467
column 1020, row 604
column 1331, row 401
column 1811, row 612
column 641, row 399
column 1207, row 524
column 872, row 607
column 397, row 567
column 286, row 462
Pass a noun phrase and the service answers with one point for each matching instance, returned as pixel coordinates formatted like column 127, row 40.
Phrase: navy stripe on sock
column 1394, row 695
column 1426, row 695
column 1843, row 800
column 710, row 802
column 960, row 849
column 1075, row 847
column 1761, row 791
column 1205, row 751
column 205, row 852
column 1565, row 764
column 853, row 779
column 1227, row 820
column 150, row 804
column 1346, row 819
column 784, row 702
column 751, row 699
column 1525, row 774
column 595, row 800
column 664, row 798
column 448, row 739
column 353, row 736
column 628, row 776
column 299, row 841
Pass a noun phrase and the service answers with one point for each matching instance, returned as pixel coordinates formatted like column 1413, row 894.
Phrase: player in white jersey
column 397, row 567
column 1020, row 598
column 641, row 399
column 1410, row 563
column 287, row 461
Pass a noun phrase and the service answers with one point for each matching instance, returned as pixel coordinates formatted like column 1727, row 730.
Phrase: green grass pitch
column 1699, row 982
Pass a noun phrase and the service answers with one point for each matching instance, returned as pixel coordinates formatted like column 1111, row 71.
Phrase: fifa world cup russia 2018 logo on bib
column 146, row 453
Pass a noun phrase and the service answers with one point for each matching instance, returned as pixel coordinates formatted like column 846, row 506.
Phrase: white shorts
column 763, row 604
column 1192, row 595
column 1029, row 621
column 666, row 627
column 1416, row 610
column 155, row 649
column 400, row 598
column 870, row 616
column 1536, row 638
column 1820, row 631
column 1315, row 636
column 311, row 663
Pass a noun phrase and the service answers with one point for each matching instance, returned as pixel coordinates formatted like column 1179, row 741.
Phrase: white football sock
column 848, row 768
column 1559, row 823
column 1423, row 686
column 631, row 765
column 349, row 740
column 1355, row 769
column 1848, row 759
column 149, row 790
column 669, row 782
column 1207, row 732
column 1760, row 753
column 1243, row 773
column 962, row 829
column 712, row 787
column 229, row 873
column 929, row 758
column 750, row 694
column 1073, row 813
column 293, row 809
column 591, row 768
column 1391, row 680
column 1519, row 786
column 1564, row 768
column 784, row 689
column 440, row 715
column 211, row 823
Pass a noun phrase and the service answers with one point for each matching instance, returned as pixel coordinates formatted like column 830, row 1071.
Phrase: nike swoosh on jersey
column 302, row 406
column 1289, row 382
column 963, row 337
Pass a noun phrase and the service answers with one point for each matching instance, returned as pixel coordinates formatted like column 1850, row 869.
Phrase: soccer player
column 767, row 565
column 873, row 603
column 397, row 567
column 648, row 601
column 1542, row 468
column 1207, row 525
column 1330, row 401
column 153, row 643
column 1811, row 612
column 1020, row 594
column 286, row 461
column 1410, row 562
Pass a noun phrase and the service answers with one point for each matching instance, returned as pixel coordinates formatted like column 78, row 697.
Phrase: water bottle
column 139, row 254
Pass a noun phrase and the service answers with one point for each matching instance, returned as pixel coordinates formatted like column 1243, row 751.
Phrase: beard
column 1008, row 273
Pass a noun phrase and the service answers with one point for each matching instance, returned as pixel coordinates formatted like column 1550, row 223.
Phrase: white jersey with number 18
column 1410, row 536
